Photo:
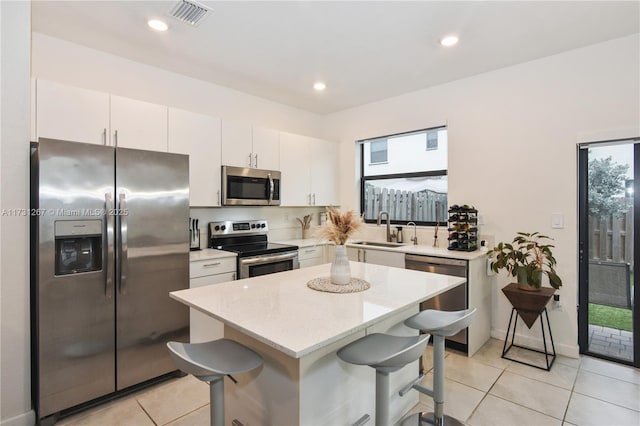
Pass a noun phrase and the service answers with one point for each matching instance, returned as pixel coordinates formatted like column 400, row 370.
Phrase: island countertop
column 282, row 312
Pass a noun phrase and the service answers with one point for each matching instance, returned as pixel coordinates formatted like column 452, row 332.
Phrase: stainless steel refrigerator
column 109, row 241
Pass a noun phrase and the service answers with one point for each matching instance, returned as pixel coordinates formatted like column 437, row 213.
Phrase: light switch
column 557, row 220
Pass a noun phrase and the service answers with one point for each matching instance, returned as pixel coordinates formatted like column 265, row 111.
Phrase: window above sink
column 405, row 175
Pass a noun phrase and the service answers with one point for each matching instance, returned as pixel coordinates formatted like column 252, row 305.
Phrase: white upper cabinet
column 198, row 136
column 324, row 172
column 295, row 187
column 70, row 113
column 81, row 115
column 266, row 148
column 309, row 171
column 247, row 146
column 138, row 124
column 237, row 141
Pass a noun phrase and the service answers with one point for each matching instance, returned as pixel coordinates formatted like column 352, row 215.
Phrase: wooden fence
column 422, row 206
column 611, row 239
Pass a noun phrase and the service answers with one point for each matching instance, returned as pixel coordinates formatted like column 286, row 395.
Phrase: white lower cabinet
column 206, row 272
column 377, row 257
column 311, row 256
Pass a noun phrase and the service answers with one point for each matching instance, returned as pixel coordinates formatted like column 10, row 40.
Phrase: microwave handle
column 271, row 187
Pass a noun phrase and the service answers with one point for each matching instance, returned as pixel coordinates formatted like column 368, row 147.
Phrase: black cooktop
column 255, row 249
column 249, row 245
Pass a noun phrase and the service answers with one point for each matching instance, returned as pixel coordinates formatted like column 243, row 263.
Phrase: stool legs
column 382, row 398
column 438, row 418
column 438, row 378
column 216, row 399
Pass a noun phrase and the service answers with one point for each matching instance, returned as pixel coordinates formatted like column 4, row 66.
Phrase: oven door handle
column 271, row 187
column 268, row 258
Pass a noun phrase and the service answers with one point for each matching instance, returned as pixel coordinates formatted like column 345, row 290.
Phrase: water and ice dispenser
column 78, row 246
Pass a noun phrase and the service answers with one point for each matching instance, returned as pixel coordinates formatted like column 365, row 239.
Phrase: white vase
column 340, row 269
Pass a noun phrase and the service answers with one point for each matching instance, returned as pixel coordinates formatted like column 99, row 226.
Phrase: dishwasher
column 451, row 300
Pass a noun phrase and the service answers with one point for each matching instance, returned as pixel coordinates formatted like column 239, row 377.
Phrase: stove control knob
column 253, row 225
column 262, row 225
column 217, row 228
column 223, row 227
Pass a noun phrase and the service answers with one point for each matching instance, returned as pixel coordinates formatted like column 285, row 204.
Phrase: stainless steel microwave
column 243, row 186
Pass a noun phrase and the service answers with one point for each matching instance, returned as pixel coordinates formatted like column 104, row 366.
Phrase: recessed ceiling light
column 157, row 25
column 448, row 41
column 319, row 86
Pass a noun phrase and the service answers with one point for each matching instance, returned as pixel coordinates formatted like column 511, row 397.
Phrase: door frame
column 583, row 250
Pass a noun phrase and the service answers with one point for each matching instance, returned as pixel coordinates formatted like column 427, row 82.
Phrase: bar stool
column 439, row 324
column 386, row 354
column 210, row 362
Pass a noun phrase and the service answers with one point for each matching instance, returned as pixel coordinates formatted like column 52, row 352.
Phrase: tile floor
column 482, row 390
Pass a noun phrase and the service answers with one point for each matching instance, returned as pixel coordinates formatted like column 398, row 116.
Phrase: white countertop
column 282, row 312
column 306, row 242
column 426, row 250
column 206, row 254
column 409, row 248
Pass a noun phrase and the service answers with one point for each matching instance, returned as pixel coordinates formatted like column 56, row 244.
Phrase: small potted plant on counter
column 527, row 258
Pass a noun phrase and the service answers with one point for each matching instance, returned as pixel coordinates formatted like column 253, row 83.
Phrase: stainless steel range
column 256, row 256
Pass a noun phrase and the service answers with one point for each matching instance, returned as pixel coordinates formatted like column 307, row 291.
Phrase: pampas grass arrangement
column 339, row 226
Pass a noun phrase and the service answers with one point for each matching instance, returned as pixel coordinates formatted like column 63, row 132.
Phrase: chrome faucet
column 415, row 233
column 388, row 224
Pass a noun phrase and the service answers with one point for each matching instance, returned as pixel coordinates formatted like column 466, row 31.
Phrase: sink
column 378, row 244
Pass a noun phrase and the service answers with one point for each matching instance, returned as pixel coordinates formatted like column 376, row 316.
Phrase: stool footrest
column 362, row 420
column 415, row 385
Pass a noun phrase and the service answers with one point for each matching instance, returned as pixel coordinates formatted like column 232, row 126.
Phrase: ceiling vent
column 189, row 12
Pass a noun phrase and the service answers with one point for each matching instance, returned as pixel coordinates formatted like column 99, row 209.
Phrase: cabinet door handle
column 250, row 158
column 364, row 255
column 256, row 157
column 309, row 202
column 115, row 139
column 104, row 136
column 233, row 276
column 218, row 197
column 208, row 265
column 314, row 198
column 358, row 255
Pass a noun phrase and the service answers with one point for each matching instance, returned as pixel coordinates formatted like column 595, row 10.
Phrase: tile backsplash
column 284, row 226
column 282, row 220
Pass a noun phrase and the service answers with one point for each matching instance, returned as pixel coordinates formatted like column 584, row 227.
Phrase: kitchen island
column 298, row 331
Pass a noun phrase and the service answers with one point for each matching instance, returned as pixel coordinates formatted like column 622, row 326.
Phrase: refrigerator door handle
column 122, row 210
column 108, row 250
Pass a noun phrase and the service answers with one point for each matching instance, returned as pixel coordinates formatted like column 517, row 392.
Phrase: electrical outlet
column 556, row 302
column 489, row 270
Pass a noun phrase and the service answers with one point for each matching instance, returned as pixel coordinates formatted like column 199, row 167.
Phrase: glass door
column 608, row 315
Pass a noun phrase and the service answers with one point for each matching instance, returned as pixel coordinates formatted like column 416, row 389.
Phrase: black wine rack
column 463, row 228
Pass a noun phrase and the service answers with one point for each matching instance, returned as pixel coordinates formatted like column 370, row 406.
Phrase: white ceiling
column 365, row 51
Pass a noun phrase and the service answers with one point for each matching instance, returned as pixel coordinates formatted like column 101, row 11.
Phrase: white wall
column 69, row 63
column 512, row 147
column 15, row 401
